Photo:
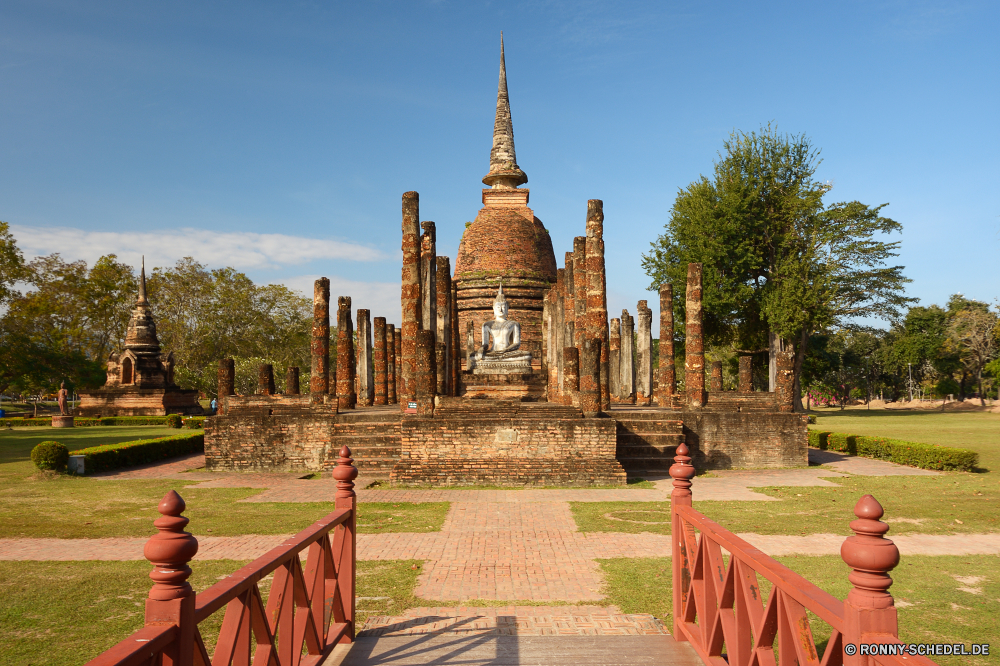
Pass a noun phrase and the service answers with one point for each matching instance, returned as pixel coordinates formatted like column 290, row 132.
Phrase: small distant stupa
column 140, row 378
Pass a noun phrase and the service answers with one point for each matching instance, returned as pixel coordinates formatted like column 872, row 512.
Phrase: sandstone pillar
column 571, row 376
column 292, row 381
column 694, row 343
column 470, row 345
column 668, row 378
column 440, row 352
column 347, row 397
column 365, row 381
column 785, row 381
column 319, row 380
column 644, row 356
column 626, row 373
column 428, row 277
column 442, row 323
column 398, row 349
column 715, row 381
column 614, row 359
column 390, row 364
column 569, row 300
column 579, row 290
column 597, row 299
column 265, row 379
column 409, row 300
column 380, row 384
column 227, row 382
column 426, row 379
column 561, row 340
column 546, row 333
column 746, row 373
column 590, row 377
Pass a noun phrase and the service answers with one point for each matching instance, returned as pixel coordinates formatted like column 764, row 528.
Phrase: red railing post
column 171, row 600
column 682, row 472
column 345, row 472
column 869, row 612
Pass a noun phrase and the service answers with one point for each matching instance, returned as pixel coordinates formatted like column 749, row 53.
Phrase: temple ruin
column 140, row 379
column 507, row 370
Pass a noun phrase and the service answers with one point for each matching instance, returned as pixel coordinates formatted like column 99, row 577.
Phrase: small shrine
column 140, row 380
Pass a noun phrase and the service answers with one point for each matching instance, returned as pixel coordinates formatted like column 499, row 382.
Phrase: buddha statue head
column 500, row 306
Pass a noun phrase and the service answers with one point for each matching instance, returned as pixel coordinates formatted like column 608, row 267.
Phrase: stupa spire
column 142, row 282
column 504, row 172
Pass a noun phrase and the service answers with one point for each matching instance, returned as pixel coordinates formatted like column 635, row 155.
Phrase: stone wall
column 722, row 440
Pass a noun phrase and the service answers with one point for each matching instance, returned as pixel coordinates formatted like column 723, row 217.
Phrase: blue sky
column 279, row 137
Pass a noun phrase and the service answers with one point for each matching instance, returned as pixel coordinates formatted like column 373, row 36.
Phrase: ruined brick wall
column 722, row 440
column 507, row 451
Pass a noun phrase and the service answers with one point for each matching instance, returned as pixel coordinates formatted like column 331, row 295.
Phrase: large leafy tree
column 778, row 262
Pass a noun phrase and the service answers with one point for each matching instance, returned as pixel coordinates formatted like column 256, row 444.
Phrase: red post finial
column 870, row 555
column 170, row 550
column 682, row 472
column 345, row 472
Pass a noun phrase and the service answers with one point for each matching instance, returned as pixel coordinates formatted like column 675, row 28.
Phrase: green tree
column 778, row 263
column 973, row 329
column 12, row 268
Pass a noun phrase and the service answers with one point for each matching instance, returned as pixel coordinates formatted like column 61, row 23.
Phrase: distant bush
column 174, row 420
column 913, row 454
column 194, row 422
column 126, row 454
column 50, row 455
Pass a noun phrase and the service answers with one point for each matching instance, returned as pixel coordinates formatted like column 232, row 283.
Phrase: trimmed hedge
column 126, row 454
column 913, row 454
column 50, row 455
column 84, row 421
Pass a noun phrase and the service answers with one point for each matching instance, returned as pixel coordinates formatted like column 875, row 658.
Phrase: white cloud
column 242, row 250
column 382, row 298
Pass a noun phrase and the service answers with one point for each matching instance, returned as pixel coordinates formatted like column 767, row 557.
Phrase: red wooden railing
column 307, row 612
column 719, row 607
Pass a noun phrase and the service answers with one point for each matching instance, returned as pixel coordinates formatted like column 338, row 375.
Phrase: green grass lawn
column 976, row 431
column 913, row 504
column 34, row 505
column 943, row 599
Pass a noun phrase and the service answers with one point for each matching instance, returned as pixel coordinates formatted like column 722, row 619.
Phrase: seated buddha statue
column 501, row 350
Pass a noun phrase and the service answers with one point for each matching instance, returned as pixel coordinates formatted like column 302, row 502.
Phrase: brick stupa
column 506, row 241
column 140, row 380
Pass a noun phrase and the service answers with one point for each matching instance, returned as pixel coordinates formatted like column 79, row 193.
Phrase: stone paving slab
column 512, row 621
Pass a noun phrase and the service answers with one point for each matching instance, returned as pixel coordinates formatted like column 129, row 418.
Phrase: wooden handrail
column 718, row 603
column 307, row 610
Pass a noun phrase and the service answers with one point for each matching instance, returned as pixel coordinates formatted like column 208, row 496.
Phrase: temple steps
column 646, row 442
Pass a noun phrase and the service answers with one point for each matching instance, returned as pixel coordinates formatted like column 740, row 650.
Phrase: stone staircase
column 373, row 437
column 646, row 441
column 503, row 409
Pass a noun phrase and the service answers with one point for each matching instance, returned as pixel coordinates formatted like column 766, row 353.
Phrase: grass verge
column 944, row 599
column 913, row 504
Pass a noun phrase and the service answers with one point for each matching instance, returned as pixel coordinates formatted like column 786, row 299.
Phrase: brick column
column 694, row 349
column 397, row 344
column 428, row 277
column 443, row 323
column 265, row 379
column 546, row 333
column 597, row 297
column 590, row 377
column 456, row 343
column 390, row 364
column 227, row 382
column 426, row 379
column 626, row 367
column 292, row 381
column 579, row 291
column 785, row 381
column 568, row 290
column 668, row 379
column 561, row 340
column 366, row 362
column 571, row 376
column 746, row 373
column 715, row 381
column 409, row 299
column 347, row 397
column 381, row 393
column 319, row 380
column 615, row 359
column 644, row 356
